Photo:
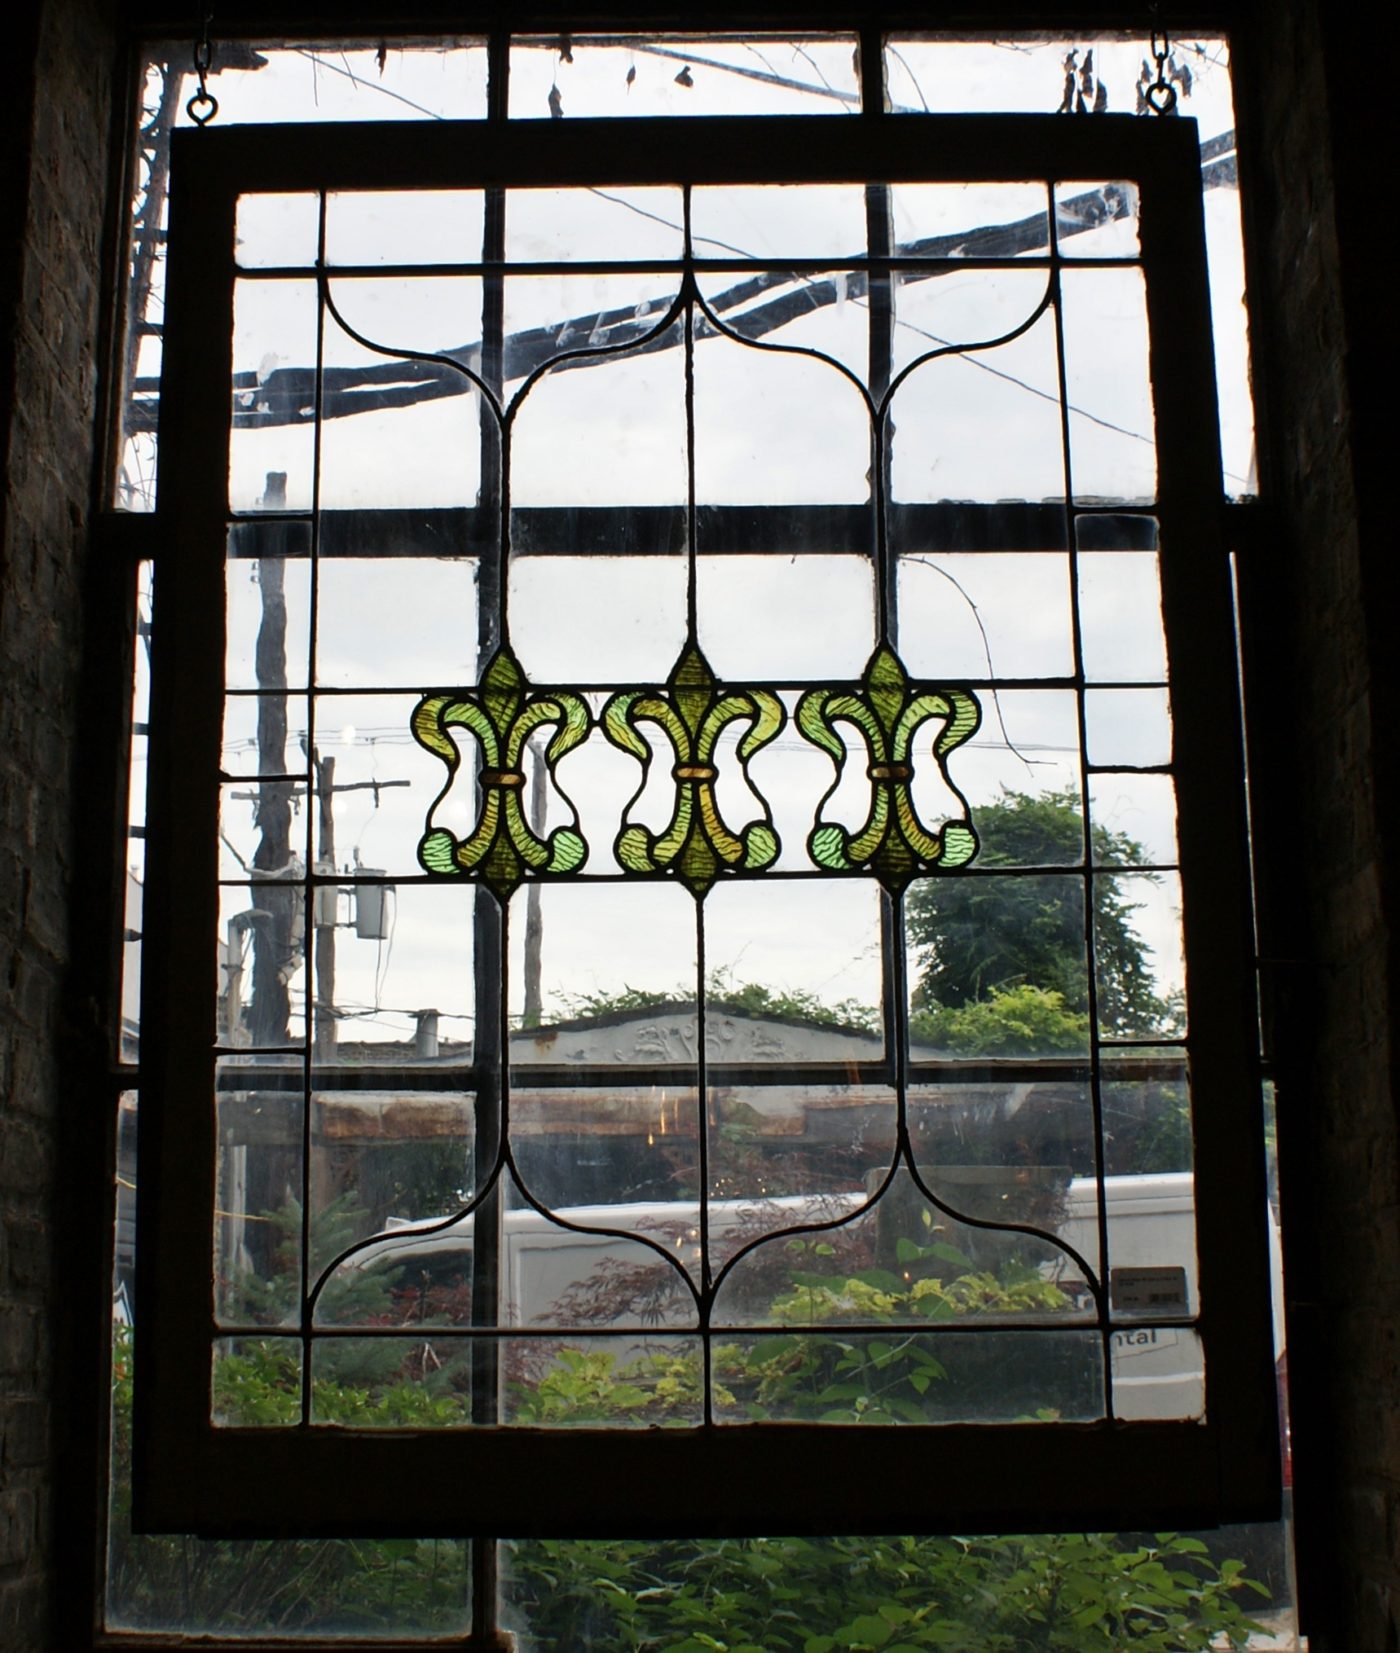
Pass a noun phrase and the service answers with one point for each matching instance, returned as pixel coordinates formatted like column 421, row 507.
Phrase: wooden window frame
column 753, row 1478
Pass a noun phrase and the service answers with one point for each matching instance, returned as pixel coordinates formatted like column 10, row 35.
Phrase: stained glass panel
column 696, row 907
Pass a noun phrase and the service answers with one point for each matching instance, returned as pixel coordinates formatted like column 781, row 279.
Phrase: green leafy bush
column 1061, row 1594
column 1092, row 1593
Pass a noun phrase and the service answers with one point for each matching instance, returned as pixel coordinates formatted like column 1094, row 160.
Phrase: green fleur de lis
column 693, row 712
column 893, row 843
column 502, row 848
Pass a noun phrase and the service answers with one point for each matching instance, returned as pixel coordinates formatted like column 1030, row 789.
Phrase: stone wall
column 55, row 193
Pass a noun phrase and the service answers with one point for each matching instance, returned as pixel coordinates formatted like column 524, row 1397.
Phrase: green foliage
column 258, row 1587
column 366, row 1367
column 1090, row 1594
column 1010, row 1021
column 724, row 993
column 975, row 935
column 1044, row 1594
column 1162, row 1140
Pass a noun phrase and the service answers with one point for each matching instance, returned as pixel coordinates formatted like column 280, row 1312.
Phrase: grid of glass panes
column 679, row 1146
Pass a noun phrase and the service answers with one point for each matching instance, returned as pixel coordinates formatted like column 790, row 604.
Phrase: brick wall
column 1322, row 638
column 58, row 91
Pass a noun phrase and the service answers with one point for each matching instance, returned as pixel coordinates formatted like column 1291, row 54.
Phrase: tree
column 982, row 941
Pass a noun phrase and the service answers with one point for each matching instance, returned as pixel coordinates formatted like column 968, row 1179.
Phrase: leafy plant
column 724, row 993
column 1096, row 1593
column 1060, row 1594
column 1010, row 1021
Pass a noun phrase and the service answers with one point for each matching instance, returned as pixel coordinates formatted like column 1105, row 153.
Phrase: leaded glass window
column 697, row 612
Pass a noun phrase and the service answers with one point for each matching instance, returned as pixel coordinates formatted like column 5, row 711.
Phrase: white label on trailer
column 1151, row 1290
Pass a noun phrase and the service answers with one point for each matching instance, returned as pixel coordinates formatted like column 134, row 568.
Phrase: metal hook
column 203, row 106
column 1160, row 96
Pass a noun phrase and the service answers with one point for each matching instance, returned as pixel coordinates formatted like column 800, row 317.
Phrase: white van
column 1157, row 1370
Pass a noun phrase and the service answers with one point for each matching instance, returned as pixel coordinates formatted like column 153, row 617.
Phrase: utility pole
column 281, row 888
column 325, row 930
column 274, row 961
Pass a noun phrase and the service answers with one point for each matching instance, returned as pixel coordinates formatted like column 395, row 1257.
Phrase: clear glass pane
column 563, row 607
column 614, row 1264
column 774, row 221
column 375, row 788
column 824, row 607
column 1158, row 1372
column 398, row 957
column 1128, row 726
column 267, row 595
column 404, row 227
column 391, row 80
column 1096, row 220
column 773, row 428
column 1147, row 1120
column 983, row 424
column 277, row 231
column 649, row 1381
column 980, row 616
column 938, row 308
column 969, row 220
column 259, row 956
column 948, row 1258
column 264, row 735
column 546, row 226
column 388, row 1162
column 789, row 1155
column 399, row 431
column 803, row 958
column 1134, row 819
column 987, row 951
column 1112, row 435
column 1138, row 964
column 803, row 310
column 407, row 621
column 257, row 1226
column 1011, row 72
column 257, row 1382
column 893, row 1377
column 391, row 1382
column 272, row 444
column 616, row 1155
column 1027, row 745
column 601, row 429
column 1120, row 617
column 556, row 76
column 605, row 951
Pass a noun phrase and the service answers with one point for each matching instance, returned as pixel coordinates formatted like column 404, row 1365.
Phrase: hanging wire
column 203, row 106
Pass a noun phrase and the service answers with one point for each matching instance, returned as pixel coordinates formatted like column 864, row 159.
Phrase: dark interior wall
column 58, row 94
column 1321, row 611
column 1319, row 605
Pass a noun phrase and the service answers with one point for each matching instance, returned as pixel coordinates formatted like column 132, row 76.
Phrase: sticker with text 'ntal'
column 1160, row 1290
